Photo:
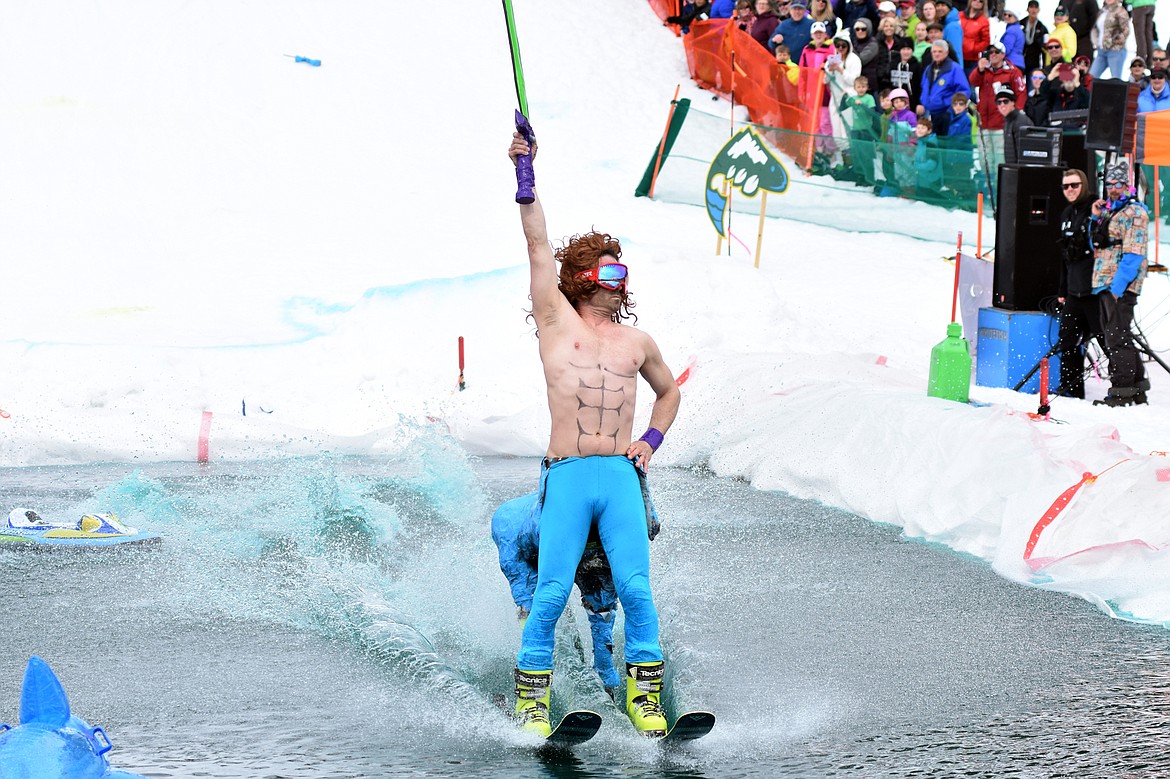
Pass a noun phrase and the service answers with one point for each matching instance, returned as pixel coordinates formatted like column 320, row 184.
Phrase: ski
column 576, row 727
column 690, row 726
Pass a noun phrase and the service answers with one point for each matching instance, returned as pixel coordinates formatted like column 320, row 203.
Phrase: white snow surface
column 193, row 222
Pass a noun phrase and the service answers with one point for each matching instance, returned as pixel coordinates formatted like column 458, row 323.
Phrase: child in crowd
column 784, row 62
column 902, row 120
column 960, row 145
column 885, row 117
column 864, row 123
column 900, row 143
column 905, row 71
column 926, row 160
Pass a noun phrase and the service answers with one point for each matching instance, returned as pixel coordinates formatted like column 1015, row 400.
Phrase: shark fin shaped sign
column 745, row 163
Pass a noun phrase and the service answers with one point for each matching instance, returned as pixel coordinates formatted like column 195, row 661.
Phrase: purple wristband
column 652, row 436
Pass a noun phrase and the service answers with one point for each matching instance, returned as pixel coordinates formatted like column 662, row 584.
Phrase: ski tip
column 690, row 726
column 576, row 727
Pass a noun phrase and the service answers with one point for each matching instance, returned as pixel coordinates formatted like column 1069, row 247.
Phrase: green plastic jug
column 950, row 367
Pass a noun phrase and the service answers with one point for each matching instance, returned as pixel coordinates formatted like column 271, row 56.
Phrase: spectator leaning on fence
column 1109, row 36
column 992, row 72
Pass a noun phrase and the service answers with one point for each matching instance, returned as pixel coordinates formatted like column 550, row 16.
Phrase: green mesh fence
column 853, row 182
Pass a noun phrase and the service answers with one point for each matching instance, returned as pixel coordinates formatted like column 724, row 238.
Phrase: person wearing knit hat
column 1120, row 231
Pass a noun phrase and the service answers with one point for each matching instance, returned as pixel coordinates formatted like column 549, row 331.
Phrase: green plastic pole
column 517, row 66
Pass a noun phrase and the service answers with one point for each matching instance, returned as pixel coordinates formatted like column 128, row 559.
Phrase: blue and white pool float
column 27, row 528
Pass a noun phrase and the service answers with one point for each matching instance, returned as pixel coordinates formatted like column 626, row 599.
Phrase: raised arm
column 546, row 296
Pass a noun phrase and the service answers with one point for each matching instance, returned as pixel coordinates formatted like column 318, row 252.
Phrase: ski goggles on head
column 611, row 276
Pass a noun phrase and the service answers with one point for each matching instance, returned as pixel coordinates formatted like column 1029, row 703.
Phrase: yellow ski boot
column 532, row 696
column 643, row 693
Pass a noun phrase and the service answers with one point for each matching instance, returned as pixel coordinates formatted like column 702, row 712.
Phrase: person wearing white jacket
column 841, row 70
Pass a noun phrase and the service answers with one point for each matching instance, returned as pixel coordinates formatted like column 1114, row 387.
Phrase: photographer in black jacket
column 1080, row 317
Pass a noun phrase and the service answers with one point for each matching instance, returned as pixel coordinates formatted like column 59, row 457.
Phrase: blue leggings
column 578, row 492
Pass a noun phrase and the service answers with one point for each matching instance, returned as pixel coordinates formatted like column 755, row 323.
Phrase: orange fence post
column 1157, row 214
column 662, row 144
column 979, row 230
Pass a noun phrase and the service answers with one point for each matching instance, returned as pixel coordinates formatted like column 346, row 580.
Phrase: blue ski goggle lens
column 611, row 276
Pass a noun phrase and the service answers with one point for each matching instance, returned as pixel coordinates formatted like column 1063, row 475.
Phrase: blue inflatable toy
column 49, row 742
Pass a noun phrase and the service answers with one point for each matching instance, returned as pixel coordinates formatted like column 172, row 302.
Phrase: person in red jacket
column 976, row 32
column 993, row 70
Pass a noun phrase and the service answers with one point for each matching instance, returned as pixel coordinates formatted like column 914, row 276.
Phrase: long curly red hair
column 580, row 253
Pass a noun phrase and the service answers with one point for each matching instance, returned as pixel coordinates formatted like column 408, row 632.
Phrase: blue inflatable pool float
column 49, row 742
column 26, row 528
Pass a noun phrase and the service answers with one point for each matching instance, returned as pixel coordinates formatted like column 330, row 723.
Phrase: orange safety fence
column 758, row 83
column 665, row 8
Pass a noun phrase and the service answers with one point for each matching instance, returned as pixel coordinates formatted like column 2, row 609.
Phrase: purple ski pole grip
column 525, row 176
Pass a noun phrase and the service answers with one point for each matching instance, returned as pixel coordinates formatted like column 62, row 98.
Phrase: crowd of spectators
column 895, row 68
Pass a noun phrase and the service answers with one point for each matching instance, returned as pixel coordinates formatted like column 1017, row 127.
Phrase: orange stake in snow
column 662, row 143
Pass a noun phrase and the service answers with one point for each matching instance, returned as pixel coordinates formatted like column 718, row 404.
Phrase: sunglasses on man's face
column 1054, row 47
column 1071, row 185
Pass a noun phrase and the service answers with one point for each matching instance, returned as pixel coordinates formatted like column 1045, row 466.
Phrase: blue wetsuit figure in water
column 592, row 362
column 516, row 531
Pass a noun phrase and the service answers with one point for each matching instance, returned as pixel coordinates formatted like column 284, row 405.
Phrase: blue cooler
column 1011, row 343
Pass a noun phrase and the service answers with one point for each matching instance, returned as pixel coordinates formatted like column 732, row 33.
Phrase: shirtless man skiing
column 591, row 366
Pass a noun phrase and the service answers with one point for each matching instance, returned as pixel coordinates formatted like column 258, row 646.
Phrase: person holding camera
column 1119, row 235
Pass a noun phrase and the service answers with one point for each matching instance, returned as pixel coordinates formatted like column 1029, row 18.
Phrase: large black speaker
column 1112, row 123
column 1027, row 226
